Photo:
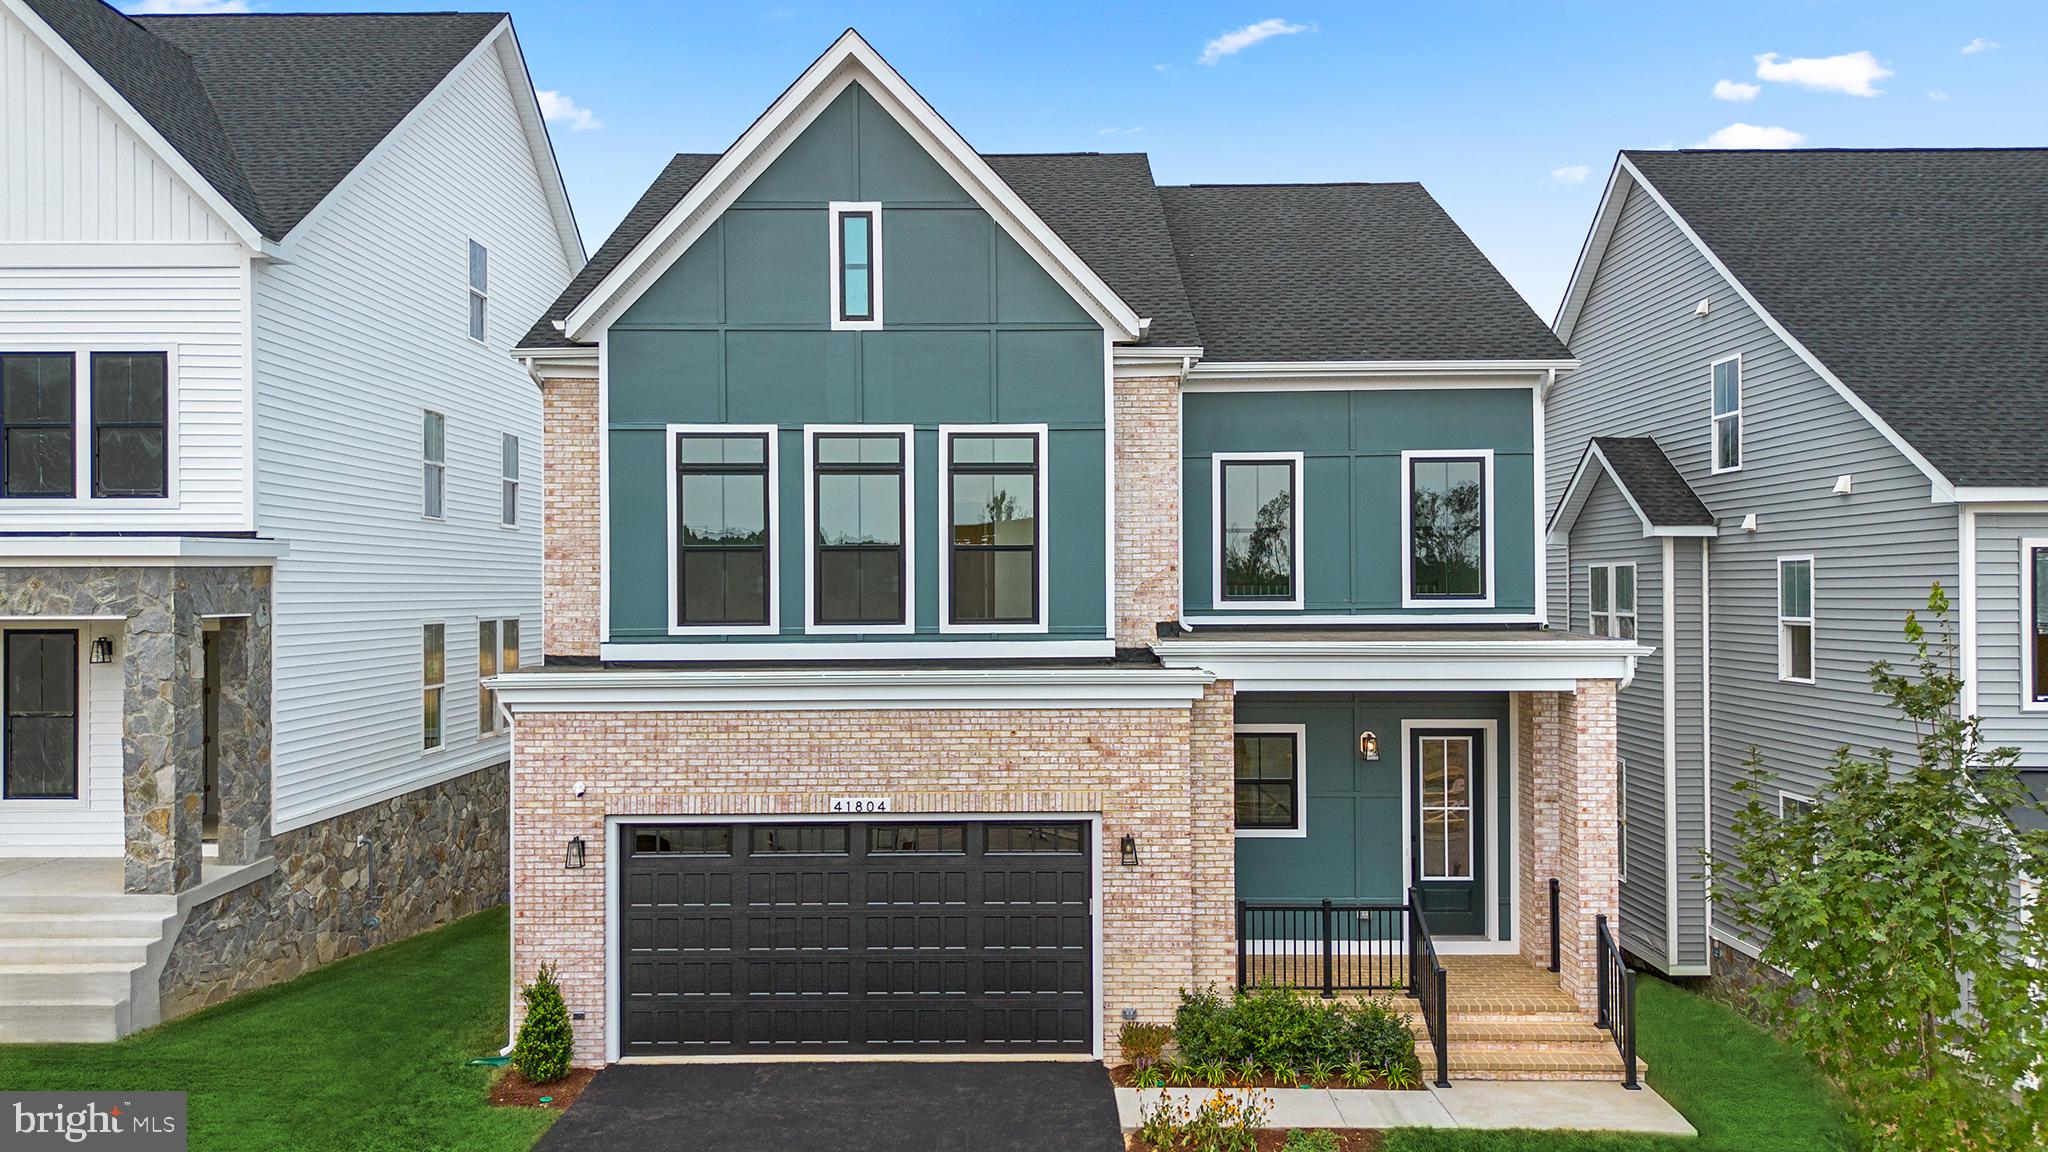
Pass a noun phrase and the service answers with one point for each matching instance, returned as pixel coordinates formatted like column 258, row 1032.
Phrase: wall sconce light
column 573, row 857
column 1130, row 850
column 103, row 650
column 1369, row 745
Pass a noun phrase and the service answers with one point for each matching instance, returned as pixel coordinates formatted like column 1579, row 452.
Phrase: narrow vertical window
column 38, row 441
column 129, row 407
column 1258, row 524
column 1447, row 530
column 856, row 243
column 434, row 679
column 1612, row 591
column 1727, row 414
column 508, row 482
column 486, row 667
column 858, row 552
column 1795, row 620
column 41, row 732
column 479, row 288
column 434, row 467
column 722, row 529
column 996, row 537
column 2037, row 628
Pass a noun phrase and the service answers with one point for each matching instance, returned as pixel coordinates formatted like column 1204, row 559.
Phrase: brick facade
column 1148, row 583
column 570, row 549
column 1568, row 803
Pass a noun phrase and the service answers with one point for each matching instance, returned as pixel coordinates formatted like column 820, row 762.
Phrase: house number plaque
column 860, row 804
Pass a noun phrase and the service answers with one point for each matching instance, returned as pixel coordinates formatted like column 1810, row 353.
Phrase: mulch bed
column 1124, row 1076
column 1348, row 1139
column 515, row 1091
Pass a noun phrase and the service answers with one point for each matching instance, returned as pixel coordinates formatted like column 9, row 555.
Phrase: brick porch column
column 1213, row 804
column 162, row 737
column 1569, row 803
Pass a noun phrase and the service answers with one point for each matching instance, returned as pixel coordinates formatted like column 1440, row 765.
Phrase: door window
column 1446, row 807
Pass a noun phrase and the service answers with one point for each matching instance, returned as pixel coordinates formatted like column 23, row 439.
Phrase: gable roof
column 1661, row 499
column 1917, row 278
column 271, row 110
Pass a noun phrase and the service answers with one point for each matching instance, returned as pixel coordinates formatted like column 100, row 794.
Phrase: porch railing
column 1427, row 984
column 1617, row 1001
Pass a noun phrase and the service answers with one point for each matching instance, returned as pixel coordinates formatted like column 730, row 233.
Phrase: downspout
column 1669, row 624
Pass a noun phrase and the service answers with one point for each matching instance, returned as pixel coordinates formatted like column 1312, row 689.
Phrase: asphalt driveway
column 879, row 1106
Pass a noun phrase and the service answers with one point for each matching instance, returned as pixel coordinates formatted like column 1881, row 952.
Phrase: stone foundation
column 435, row 854
column 1736, row 976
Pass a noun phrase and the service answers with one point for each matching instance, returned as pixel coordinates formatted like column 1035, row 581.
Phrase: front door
column 1447, row 831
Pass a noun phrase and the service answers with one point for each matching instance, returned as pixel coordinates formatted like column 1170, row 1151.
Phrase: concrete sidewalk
column 1570, row 1105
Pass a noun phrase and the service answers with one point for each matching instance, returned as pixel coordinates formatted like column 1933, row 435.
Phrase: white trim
column 1405, row 664
column 1297, row 570
column 2035, row 496
column 1715, row 416
column 872, row 209
column 1491, row 834
column 440, row 734
column 1200, row 619
column 827, row 651
column 516, row 479
column 481, row 295
column 1109, row 485
column 80, row 799
column 1513, row 817
column 84, row 445
column 1041, row 517
column 1211, row 370
column 1736, row 942
column 1668, row 665
column 442, row 464
column 1300, row 828
column 2027, row 610
column 1408, row 597
column 1146, row 360
column 1786, row 796
column 838, row 688
column 908, row 530
column 1810, row 620
column 774, row 625
column 1539, row 467
column 1614, row 615
column 1579, row 489
column 1621, row 820
column 1707, row 729
column 604, row 489
column 20, row 551
column 1966, row 608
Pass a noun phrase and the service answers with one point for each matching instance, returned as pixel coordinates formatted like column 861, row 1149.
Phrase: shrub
column 1143, row 1043
column 1225, row 1122
column 1282, row 1029
column 545, row 1040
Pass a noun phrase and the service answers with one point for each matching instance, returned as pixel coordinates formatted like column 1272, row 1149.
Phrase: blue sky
column 1509, row 112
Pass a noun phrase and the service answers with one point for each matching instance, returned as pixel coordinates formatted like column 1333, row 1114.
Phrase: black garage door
column 954, row 936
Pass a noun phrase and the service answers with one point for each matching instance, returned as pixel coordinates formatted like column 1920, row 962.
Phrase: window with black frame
column 1258, row 509
column 41, row 687
column 1267, row 773
column 857, row 548
column 722, row 529
column 129, row 410
column 994, row 481
column 2037, row 631
column 1447, row 528
column 856, row 266
column 38, row 440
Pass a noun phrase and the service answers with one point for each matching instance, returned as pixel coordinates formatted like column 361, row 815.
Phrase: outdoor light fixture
column 1130, row 847
column 573, row 858
column 103, row 650
column 1369, row 745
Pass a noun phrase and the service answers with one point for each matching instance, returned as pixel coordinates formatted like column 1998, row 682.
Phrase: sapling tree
column 546, row 1042
column 1899, row 910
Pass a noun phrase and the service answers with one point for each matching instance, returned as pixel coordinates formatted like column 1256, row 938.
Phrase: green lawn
column 1741, row 1088
column 362, row 1055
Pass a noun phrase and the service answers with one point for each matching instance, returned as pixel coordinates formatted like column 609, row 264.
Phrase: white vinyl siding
column 2007, row 607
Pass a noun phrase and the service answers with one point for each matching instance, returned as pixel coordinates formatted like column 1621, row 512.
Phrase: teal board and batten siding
column 1353, row 847
column 1646, row 354
column 1351, row 444
column 737, row 331
column 2002, row 635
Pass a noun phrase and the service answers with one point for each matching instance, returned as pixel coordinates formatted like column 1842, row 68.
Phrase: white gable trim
column 849, row 59
column 135, row 122
column 1625, row 176
column 1592, row 465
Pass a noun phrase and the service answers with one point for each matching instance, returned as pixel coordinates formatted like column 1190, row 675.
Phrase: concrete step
column 66, row 982
column 60, row 1022
column 77, row 904
column 68, row 926
column 133, row 950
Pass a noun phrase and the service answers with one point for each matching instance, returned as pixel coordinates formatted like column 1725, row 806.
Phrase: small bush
column 1284, row 1030
column 546, row 1041
column 1142, row 1044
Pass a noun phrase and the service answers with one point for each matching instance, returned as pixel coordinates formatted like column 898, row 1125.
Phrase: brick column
column 1213, row 792
column 1147, row 425
column 1536, row 793
column 1568, row 801
column 569, row 518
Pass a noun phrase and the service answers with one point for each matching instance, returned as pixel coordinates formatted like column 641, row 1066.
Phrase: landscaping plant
column 1142, row 1044
column 1897, row 909
column 1225, row 1122
column 1310, row 1140
column 545, row 1042
column 1285, row 1033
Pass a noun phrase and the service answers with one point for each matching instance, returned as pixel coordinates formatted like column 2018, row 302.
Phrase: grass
column 360, row 1056
column 1741, row 1087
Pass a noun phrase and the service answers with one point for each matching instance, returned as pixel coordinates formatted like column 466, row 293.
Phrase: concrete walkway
column 1575, row 1105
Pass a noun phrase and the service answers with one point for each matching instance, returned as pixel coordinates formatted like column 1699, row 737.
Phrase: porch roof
column 1446, row 659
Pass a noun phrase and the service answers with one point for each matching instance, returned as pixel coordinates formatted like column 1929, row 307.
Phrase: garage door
column 952, row 936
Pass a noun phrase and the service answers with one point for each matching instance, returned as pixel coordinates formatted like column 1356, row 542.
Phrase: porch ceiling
column 1438, row 659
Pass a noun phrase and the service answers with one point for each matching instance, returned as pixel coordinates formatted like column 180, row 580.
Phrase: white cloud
column 1231, row 43
column 1161, row 68
column 1851, row 72
column 1739, row 135
column 1977, row 45
column 183, row 7
column 1571, row 174
column 1736, row 91
column 1938, row 94
column 1119, row 131
column 557, row 108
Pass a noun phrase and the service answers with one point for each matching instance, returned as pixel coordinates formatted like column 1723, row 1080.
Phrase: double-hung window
column 856, row 244
column 1447, row 517
column 479, row 289
column 995, row 482
column 1727, row 378
column 1611, row 589
column 497, row 650
column 130, row 402
column 2034, row 553
column 860, row 504
column 508, row 481
column 1270, row 774
column 724, row 528
column 433, row 465
column 1795, row 619
column 40, row 686
column 433, row 682
column 38, row 442
column 126, row 425
column 1257, row 500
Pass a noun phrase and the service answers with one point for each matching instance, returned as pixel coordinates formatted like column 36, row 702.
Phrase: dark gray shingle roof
column 1918, row 276
column 1641, row 467
column 273, row 110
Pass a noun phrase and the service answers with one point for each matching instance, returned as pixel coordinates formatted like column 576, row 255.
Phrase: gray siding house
column 1811, row 386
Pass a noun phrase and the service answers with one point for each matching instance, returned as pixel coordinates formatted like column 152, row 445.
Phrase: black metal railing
column 1556, row 960
column 1617, row 1001
column 1427, row 984
column 1331, row 945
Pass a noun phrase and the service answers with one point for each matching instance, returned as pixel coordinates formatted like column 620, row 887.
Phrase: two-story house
column 269, row 491
column 987, row 594
column 1809, row 389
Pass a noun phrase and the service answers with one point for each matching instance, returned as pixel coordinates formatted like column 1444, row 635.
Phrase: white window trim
column 2028, row 546
column 499, row 724
column 511, row 481
column 1040, row 623
column 1614, row 613
column 834, row 210
column 1217, row 599
column 82, row 800
column 1408, row 597
column 1785, row 797
column 442, row 464
column 676, row 627
column 442, row 743
column 483, row 294
column 1714, row 419
column 1476, row 856
column 82, row 446
column 1811, row 620
column 910, row 528
column 1300, row 828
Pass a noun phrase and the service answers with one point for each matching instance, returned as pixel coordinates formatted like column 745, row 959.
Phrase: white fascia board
column 1370, row 665
column 1353, row 369
column 135, row 122
column 2036, row 496
column 1128, row 360
column 573, row 364
column 850, row 58
column 839, row 689
column 19, row 550
column 1592, row 249
column 534, row 126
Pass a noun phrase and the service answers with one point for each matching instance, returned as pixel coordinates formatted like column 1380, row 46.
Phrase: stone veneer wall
column 1162, row 775
column 1147, row 532
column 570, row 548
column 1568, row 802
column 436, row 854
